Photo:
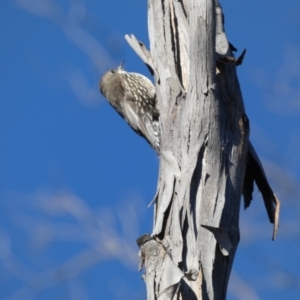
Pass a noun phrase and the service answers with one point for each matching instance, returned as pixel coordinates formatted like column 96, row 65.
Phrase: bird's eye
column 113, row 71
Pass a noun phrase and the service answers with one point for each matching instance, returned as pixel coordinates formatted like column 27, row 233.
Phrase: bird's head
column 108, row 77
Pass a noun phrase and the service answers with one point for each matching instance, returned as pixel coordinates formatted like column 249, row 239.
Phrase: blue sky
column 75, row 180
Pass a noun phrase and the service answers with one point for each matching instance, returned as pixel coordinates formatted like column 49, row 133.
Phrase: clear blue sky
column 70, row 168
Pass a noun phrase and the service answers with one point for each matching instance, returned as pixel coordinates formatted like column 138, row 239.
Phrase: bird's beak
column 120, row 67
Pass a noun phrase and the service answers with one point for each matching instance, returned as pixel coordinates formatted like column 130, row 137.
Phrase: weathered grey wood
column 203, row 155
column 203, row 125
column 142, row 52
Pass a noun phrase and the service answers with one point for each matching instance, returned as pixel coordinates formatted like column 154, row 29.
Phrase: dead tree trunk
column 204, row 152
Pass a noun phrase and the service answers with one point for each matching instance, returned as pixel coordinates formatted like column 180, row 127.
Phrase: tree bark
column 204, row 151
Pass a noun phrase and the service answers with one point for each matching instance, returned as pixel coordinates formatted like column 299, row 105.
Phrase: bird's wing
column 139, row 124
column 131, row 116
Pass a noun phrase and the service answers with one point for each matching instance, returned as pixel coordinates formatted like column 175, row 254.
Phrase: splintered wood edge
column 276, row 216
column 141, row 50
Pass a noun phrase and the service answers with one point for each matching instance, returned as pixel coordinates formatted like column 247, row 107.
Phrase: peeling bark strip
column 204, row 153
column 255, row 173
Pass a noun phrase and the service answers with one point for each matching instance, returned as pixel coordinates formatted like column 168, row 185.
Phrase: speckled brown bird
column 133, row 96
